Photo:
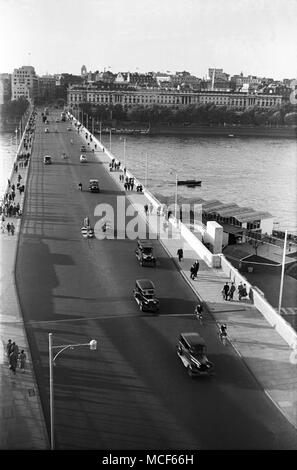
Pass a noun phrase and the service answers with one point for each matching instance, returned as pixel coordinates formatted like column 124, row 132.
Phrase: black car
column 144, row 295
column 191, row 349
column 144, row 253
column 94, row 186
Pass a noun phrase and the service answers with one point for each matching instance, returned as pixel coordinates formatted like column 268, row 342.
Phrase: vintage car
column 144, row 253
column 83, row 159
column 69, row 129
column 191, row 349
column 94, row 186
column 83, row 148
column 144, row 295
column 47, row 160
column 46, row 130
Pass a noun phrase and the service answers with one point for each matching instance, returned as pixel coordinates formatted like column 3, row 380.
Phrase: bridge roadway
column 133, row 393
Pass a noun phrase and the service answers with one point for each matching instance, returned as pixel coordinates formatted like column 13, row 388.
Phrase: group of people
column 114, row 165
column 229, row 291
column 148, row 208
column 15, row 357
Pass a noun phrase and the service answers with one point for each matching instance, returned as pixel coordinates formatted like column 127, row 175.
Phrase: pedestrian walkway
column 21, row 419
column 265, row 353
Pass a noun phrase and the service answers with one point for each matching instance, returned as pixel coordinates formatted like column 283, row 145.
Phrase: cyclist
column 223, row 331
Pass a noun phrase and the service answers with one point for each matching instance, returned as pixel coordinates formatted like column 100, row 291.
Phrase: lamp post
column 282, row 274
column 175, row 196
column 92, row 345
column 146, row 168
column 16, row 140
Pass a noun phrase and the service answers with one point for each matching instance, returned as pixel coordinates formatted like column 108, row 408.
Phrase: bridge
column 134, row 393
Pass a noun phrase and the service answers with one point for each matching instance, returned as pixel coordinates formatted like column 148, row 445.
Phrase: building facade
column 24, row 83
column 97, row 95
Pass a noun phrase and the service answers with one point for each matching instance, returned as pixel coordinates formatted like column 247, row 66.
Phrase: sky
column 256, row 37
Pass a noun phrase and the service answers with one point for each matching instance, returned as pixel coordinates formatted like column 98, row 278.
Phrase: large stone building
column 47, row 87
column 24, row 83
column 99, row 95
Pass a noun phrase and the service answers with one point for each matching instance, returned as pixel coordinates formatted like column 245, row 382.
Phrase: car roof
column 145, row 283
column 47, row 156
column 94, row 181
column 193, row 338
column 145, row 243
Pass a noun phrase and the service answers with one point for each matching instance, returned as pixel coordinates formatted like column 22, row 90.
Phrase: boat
column 189, row 183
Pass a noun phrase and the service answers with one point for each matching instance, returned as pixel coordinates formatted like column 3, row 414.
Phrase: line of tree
column 14, row 110
column 194, row 114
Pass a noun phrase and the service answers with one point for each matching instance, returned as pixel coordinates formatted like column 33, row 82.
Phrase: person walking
column 226, row 290
column 231, row 291
column 146, row 209
column 8, row 227
column 80, row 186
column 12, row 228
column 8, row 347
column 13, row 360
column 240, row 288
column 180, row 254
column 22, row 360
column 192, row 271
column 196, row 269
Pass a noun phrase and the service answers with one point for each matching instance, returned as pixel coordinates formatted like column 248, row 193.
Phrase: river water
column 256, row 172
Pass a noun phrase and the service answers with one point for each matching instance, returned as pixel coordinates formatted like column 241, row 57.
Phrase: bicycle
column 223, row 337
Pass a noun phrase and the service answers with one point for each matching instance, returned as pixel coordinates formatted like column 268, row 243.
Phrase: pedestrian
column 8, row 182
column 146, row 209
column 15, row 348
column 180, row 254
column 244, row 291
column 231, row 291
column 8, row 347
column 19, row 177
column 80, row 186
column 226, row 290
column 22, row 360
column 196, row 269
column 192, row 272
column 8, row 227
column 13, row 360
column 12, row 228
column 240, row 287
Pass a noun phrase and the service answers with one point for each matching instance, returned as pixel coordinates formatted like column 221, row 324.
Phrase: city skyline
column 254, row 38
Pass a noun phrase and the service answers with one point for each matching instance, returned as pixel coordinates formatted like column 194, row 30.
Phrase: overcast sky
column 257, row 37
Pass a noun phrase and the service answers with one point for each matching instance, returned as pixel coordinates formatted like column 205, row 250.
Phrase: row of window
column 140, row 99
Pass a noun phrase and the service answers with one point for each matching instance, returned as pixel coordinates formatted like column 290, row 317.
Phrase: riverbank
column 228, row 131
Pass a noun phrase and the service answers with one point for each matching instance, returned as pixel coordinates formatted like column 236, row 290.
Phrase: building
column 46, row 88
column 24, row 83
column 238, row 81
column 5, row 87
column 132, row 96
column 237, row 221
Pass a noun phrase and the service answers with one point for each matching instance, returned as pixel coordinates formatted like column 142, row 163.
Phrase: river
column 256, row 172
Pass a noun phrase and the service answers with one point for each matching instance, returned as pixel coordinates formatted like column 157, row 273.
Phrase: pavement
column 264, row 352
column 22, row 425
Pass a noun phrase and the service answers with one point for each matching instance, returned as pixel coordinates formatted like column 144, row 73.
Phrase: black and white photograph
column 148, row 204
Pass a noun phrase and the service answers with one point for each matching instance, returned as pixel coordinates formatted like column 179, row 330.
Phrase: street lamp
column 92, row 345
column 282, row 274
column 16, row 140
column 124, row 139
column 146, row 168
